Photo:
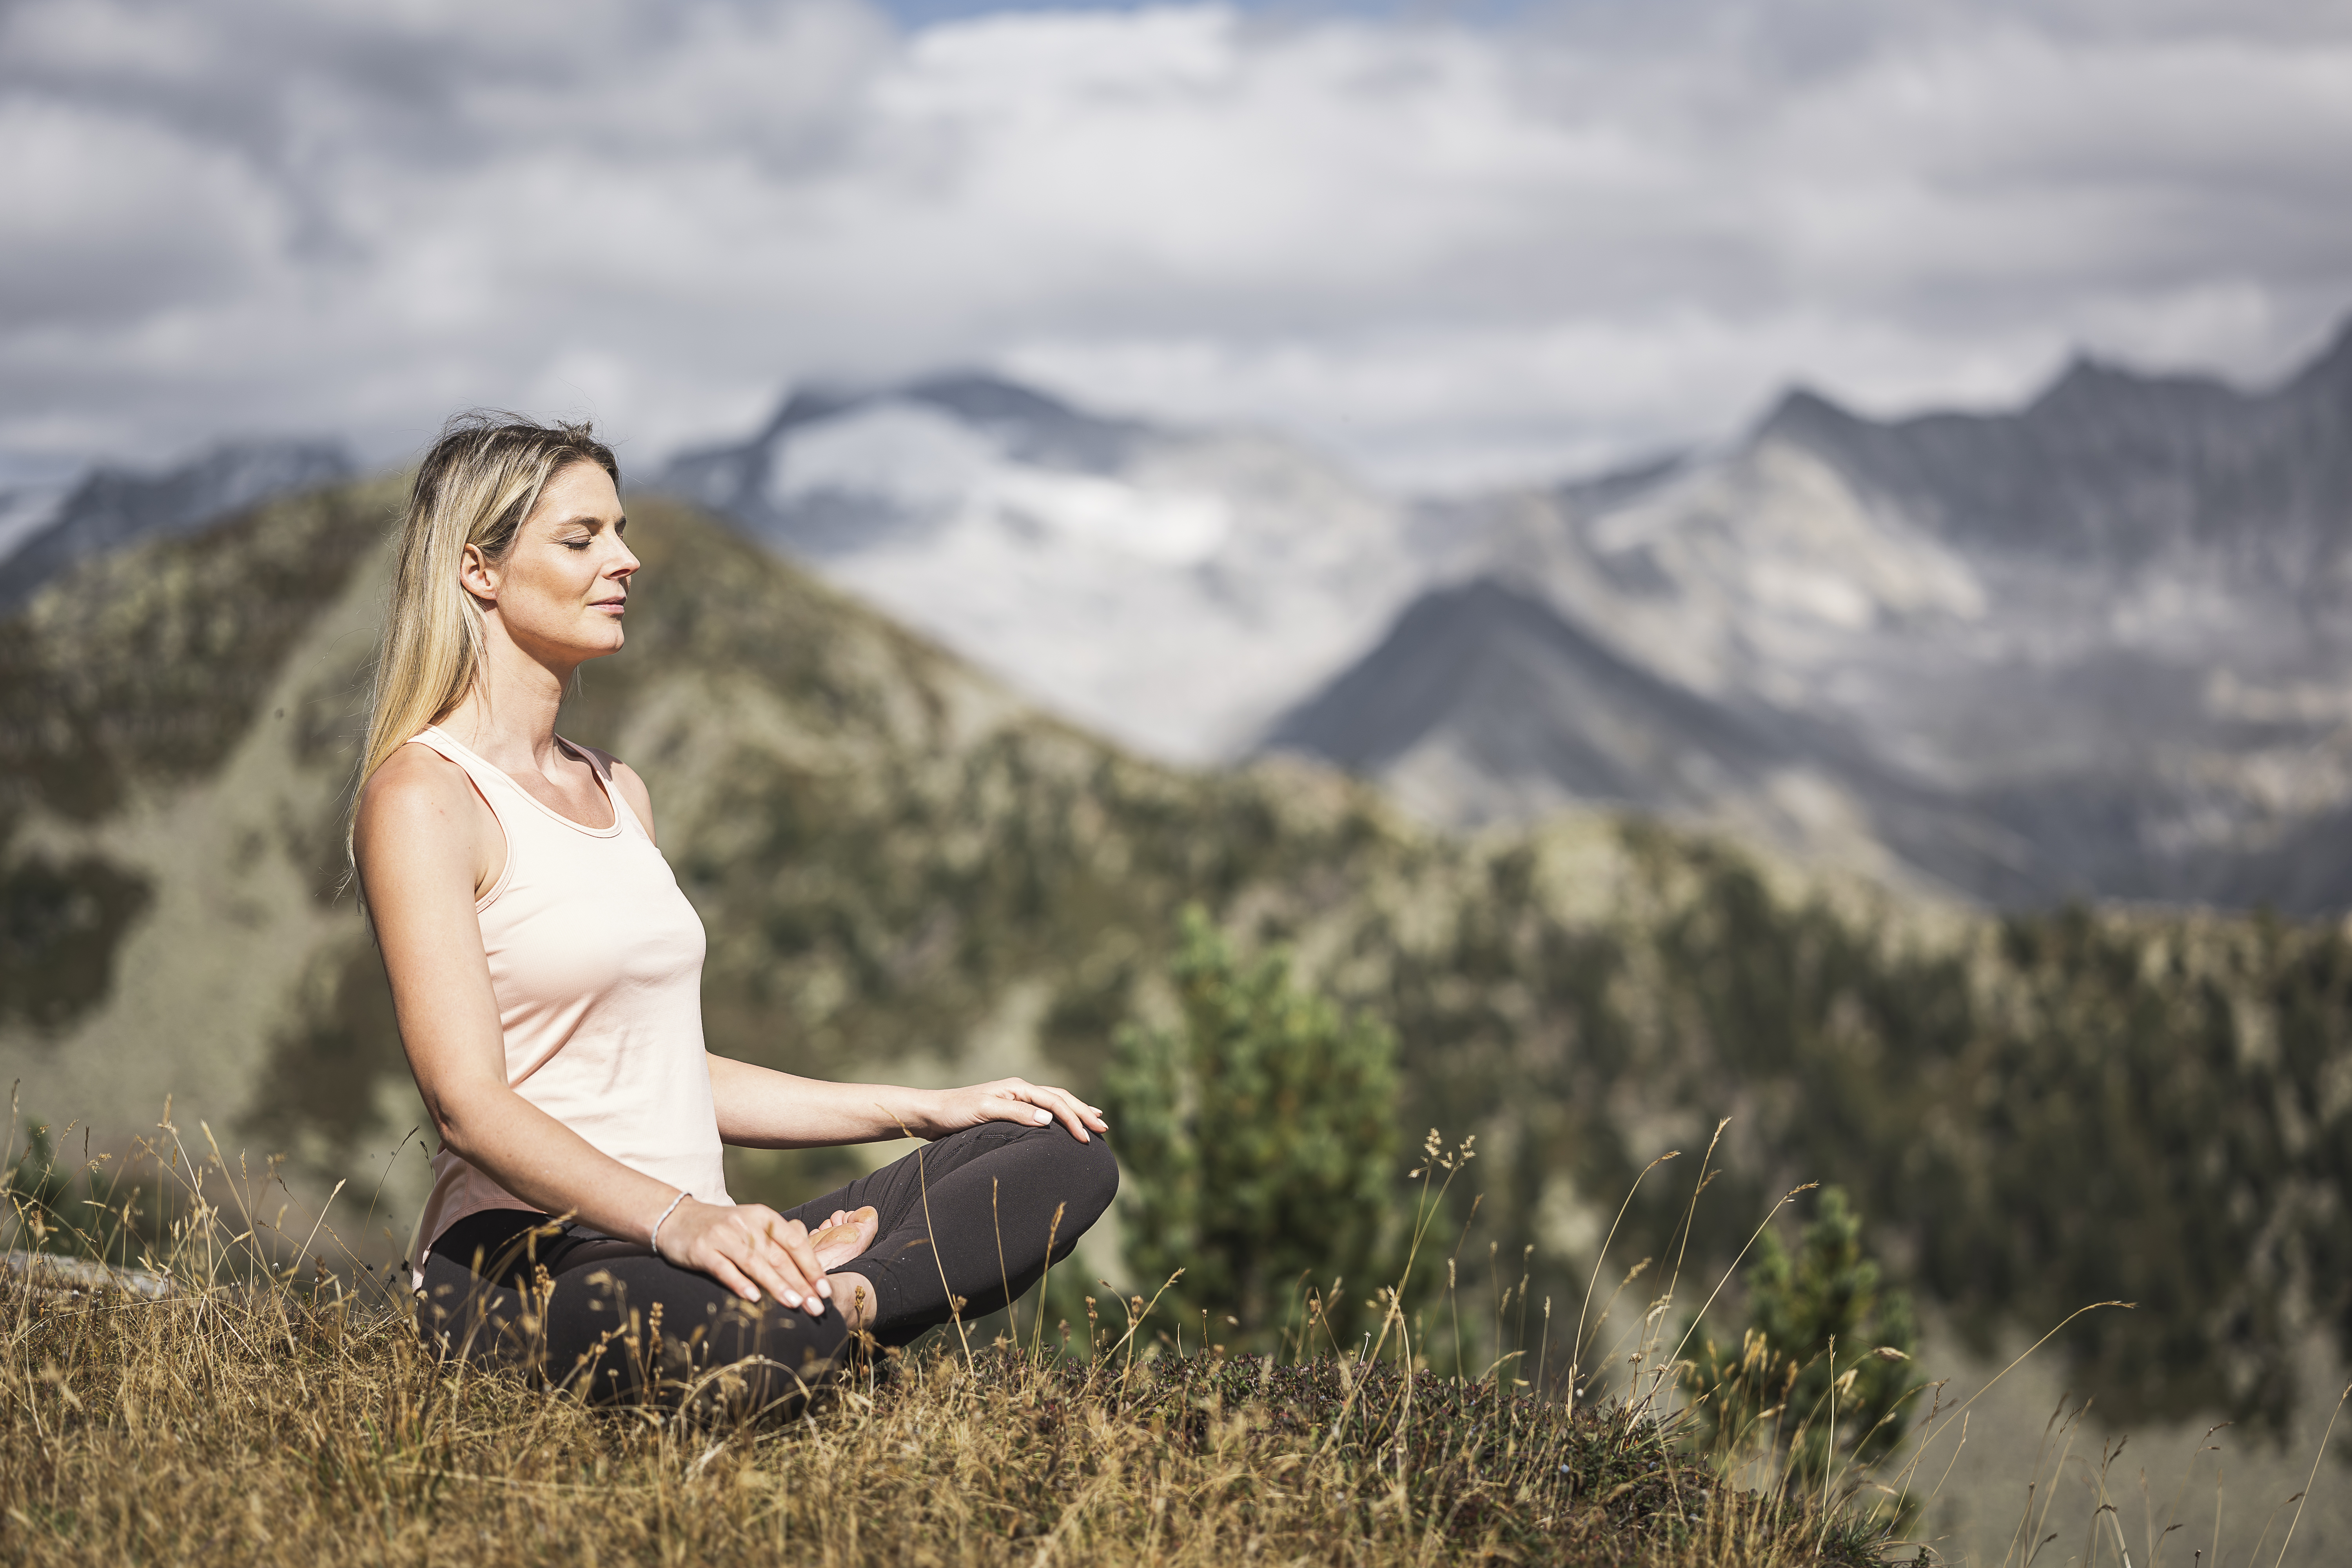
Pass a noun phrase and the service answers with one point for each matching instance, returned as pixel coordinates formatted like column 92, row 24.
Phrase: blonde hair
column 475, row 486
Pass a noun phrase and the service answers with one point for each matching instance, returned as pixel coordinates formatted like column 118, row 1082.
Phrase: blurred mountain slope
column 907, row 873
column 113, row 506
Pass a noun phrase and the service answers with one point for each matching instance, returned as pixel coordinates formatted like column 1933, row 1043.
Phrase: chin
column 598, row 647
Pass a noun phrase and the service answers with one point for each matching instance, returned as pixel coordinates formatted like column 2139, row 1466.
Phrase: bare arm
column 427, row 845
column 759, row 1108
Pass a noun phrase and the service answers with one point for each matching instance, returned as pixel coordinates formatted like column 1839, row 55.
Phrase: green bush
column 1824, row 1371
column 1261, row 1140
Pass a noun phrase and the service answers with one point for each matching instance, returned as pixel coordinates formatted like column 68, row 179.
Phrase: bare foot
column 853, row 1297
column 848, row 1234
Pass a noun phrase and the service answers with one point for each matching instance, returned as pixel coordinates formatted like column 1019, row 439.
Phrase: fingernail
column 825, row 1289
column 791, row 1300
column 1042, row 1117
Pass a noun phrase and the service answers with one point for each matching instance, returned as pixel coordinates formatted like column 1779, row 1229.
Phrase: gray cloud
column 1451, row 252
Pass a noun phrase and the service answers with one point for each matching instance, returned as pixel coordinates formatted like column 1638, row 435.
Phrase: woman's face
column 564, row 584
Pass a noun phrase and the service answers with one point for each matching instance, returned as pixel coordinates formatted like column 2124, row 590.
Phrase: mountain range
column 2093, row 648
column 2099, row 648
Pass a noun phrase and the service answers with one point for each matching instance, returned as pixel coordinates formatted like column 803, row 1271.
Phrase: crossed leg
column 962, row 1226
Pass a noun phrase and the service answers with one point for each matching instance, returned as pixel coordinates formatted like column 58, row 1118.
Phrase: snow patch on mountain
column 921, row 465
column 1173, row 589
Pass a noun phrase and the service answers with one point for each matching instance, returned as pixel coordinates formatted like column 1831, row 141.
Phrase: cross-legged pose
column 547, row 970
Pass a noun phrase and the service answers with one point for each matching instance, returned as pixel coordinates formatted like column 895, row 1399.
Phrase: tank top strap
column 602, row 766
column 476, row 767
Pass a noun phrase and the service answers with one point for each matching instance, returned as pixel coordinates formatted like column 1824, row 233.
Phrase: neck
column 510, row 716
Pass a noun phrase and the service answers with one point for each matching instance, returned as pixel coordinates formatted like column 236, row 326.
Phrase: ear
column 479, row 575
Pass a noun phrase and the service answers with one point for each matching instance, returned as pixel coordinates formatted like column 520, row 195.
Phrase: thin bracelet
column 654, row 1240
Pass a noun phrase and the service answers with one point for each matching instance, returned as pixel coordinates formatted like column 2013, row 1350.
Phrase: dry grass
column 270, row 1407
column 202, row 1430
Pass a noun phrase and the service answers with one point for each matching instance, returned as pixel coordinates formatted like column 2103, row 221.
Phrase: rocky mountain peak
column 1806, row 417
column 1034, row 425
column 2108, row 464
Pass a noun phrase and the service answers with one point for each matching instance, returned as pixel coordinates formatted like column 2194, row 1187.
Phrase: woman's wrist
column 653, row 1236
column 923, row 1114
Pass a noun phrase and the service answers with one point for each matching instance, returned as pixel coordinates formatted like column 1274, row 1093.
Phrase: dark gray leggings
column 975, row 1215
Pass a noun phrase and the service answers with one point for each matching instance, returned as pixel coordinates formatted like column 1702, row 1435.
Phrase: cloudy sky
column 1454, row 244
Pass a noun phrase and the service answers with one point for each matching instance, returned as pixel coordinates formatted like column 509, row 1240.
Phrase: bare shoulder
column 414, row 777
column 417, row 798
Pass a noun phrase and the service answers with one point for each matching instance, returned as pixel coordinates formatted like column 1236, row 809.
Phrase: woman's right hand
column 748, row 1248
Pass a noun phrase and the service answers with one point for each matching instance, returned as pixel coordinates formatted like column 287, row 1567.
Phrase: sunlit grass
column 231, row 1385
column 195, row 1369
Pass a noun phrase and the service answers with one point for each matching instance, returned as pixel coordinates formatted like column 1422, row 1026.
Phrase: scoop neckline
column 612, row 796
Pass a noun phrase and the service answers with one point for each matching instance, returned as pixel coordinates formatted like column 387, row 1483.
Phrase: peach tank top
column 596, row 962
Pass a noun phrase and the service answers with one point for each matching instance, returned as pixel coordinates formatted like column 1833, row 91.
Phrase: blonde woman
column 546, row 973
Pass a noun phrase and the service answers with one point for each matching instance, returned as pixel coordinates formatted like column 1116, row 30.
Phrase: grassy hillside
column 904, row 871
column 275, row 1405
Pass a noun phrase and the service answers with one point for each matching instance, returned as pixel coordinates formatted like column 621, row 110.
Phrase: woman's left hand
column 1012, row 1100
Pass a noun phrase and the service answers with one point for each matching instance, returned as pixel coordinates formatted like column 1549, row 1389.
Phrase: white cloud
column 1450, row 252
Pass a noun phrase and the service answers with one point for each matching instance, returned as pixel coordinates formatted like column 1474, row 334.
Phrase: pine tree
column 1262, row 1143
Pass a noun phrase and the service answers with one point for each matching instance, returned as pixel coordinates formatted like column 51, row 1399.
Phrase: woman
column 546, row 973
